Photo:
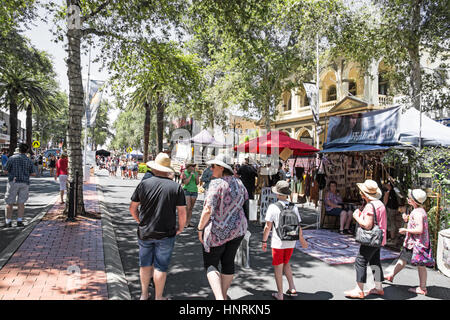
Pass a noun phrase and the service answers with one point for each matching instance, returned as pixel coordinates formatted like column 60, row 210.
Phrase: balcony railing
column 328, row 104
column 385, row 100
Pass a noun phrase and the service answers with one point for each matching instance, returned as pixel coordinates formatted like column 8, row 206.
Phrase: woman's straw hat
column 370, row 189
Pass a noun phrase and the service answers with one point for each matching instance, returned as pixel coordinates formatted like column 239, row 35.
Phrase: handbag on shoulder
column 372, row 237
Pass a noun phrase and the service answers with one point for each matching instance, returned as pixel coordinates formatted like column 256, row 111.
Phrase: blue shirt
column 19, row 168
column 207, row 177
column 147, row 175
column 4, row 159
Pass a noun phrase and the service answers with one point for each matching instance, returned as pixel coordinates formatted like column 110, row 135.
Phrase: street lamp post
column 234, row 136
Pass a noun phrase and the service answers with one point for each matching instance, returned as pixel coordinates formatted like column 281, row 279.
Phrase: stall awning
column 355, row 147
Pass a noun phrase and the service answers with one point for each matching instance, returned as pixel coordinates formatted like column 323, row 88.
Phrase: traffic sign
column 36, row 144
column 129, row 149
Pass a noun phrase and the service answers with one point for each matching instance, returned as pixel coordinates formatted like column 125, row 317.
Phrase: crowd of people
column 129, row 168
column 223, row 223
column 161, row 198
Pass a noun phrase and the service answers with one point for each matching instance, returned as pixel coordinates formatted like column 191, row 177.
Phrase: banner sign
column 267, row 198
column 376, row 127
column 95, row 97
column 311, row 93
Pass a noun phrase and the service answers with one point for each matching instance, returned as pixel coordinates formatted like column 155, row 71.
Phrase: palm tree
column 142, row 97
column 46, row 103
column 21, row 91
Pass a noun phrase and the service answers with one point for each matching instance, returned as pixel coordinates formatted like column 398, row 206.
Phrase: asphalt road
column 43, row 191
column 314, row 279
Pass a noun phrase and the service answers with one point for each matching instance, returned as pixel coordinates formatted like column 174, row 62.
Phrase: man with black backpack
column 285, row 218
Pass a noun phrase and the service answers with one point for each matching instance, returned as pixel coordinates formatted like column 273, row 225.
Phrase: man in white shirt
column 281, row 249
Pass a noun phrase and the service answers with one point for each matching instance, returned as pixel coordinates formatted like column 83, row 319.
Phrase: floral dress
column 420, row 239
column 225, row 197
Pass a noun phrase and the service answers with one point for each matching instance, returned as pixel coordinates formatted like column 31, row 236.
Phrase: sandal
column 418, row 290
column 389, row 278
column 275, row 296
column 375, row 291
column 291, row 293
column 354, row 295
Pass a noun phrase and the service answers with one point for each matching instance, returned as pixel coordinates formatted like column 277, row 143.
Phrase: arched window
column 383, row 84
column 287, row 101
column 352, row 88
column 331, row 93
column 306, row 101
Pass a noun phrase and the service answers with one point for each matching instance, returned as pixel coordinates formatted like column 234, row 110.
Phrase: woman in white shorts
column 61, row 172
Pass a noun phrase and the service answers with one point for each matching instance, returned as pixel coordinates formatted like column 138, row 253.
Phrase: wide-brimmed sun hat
column 370, row 189
column 282, row 188
column 161, row 163
column 222, row 160
column 417, row 195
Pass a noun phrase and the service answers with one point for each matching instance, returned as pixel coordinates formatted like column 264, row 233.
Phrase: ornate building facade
column 343, row 89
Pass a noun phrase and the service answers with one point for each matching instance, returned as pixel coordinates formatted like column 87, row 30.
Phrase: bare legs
column 287, row 271
column 190, row 203
column 146, row 273
column 220, row 283
column 20, row 210
column 422, row 277
column 345, row 218
column 420, row 269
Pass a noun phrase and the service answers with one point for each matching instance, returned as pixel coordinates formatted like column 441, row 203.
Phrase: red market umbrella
column 275, row 142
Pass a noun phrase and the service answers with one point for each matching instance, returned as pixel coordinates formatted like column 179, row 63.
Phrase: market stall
column 357, row 143
column 273, row 143
column 199, row 148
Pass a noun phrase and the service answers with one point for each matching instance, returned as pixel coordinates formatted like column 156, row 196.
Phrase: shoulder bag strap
column 374, row 213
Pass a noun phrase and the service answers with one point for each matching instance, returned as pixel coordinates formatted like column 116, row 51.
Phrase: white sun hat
column 222, row 160
column 417, row 195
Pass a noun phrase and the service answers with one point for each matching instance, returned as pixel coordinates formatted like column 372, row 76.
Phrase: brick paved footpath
column 59, row 260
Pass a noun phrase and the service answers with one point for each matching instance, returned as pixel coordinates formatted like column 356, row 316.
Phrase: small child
column 281, row 249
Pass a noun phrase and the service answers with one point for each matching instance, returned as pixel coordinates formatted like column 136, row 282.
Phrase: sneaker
column 20, row 224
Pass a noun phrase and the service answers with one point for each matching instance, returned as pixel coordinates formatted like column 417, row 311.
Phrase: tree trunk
column 415, row 82
column 76, row 110
column 160, row 123
column 12, row 126
column 146, row 129
column 267, row 116
column 29, row 126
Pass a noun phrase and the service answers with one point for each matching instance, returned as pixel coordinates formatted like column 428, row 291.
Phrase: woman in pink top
column 62, row 172
column 371, row 194
column 416, row 234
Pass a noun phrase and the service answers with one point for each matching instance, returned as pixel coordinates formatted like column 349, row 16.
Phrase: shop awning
column 275, row 142
column 355, row 147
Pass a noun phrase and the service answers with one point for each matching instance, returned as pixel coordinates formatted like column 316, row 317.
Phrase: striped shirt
column 19, row 168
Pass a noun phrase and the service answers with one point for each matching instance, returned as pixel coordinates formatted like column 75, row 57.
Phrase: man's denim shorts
column 156, row 252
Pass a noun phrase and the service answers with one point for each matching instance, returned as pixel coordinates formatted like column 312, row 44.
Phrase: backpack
column 288, row 225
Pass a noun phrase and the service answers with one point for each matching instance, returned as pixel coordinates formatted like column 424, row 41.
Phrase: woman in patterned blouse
column 222, row 225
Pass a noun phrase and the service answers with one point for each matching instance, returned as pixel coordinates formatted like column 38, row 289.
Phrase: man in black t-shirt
column 159, row 199
column 248, row 175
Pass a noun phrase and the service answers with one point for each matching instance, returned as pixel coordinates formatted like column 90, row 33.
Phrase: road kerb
column 116, row 280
